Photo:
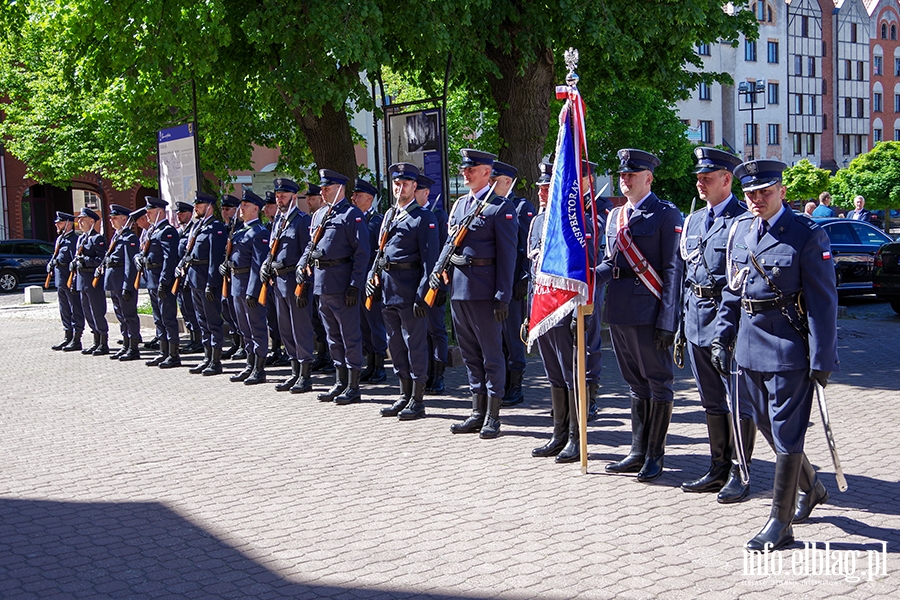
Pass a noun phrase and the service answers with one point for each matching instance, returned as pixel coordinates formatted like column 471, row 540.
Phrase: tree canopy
column 805, row 181
column 874, row 175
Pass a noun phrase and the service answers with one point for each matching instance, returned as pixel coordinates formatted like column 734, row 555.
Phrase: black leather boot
column 640, row 412
column 593, row 409
column 322, row 360
column 720, row 448
column 340, row 384
column 215, row 362
column 430, row 381
column 207, row 357
column 259, row 371
column 572, row 452
column 102, row 348
column 406, row 391
column 163, row 354
column 174, row 359
column 275, row 355
column 812, row 491
column 778, row 532
column 351, row 394
column 288, row 383
column 379, row 375
column 90, row 349
column 560, row 402
column 134, row 351
column 416, row 408
column 514, row 393
column 366, row 374
column 304, row 382
column 75, row 343
column 660, row 416
column 437, row 387
column 153, row 344
column 65, row 342
column 238, row 377
column 241, row 353
column 491, row 427
column 194, row 344
column 126, row 343
column 230, row 351
column 734, row 489
column 475, row 421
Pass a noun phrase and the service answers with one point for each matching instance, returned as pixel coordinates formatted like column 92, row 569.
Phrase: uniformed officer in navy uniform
column 276, row 357
column 118, row 272
column 339, row 272
column 322, row 358
column 70, row 311
column 438, row 344
column 407, row 261
column 703, row 241
column 779, row 312
column 374, row 335
column 513, row 347
column 159, row 264
column 89, row 252
column 232, row 222
column 481, row 284
column 556, row 348
column 249, row 248
column 642, row 307
column 205, row 282
column 184, row 215
column 293, row 314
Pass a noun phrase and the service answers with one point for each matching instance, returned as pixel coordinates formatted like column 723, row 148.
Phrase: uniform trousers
column 593, row 339
column 186, row 305
column 251, row 322
column 374, row 336
column 781, row 405
column 512, row 343
column 70, row 311
column 557, row 348
column 294, row 324
column 407, row 340
column 228, row 314
column 126, row 313
column 437, row 334
column 165, row 315
column 342, row 330
column 649, row 372
column 209, row 318
column 272, row 316
column 481, row 345
column 93, row 301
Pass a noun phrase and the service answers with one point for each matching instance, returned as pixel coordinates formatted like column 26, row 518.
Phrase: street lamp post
column 749, row 90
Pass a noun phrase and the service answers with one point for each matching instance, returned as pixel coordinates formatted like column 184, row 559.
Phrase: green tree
column 805, row 181
column 875, row 176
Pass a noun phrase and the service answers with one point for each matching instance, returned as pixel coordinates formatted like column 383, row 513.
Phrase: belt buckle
column 316, row 263
column 748, row 306
column 615, row 272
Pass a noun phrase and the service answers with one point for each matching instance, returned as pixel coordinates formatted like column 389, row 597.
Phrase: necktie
column 710, row 218
column 628, row 212
column 763, row 228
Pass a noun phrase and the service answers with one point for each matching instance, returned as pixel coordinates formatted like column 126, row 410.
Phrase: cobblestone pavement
column 122, row 481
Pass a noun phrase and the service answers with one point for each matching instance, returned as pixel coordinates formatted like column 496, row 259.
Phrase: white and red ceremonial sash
column 643, row 269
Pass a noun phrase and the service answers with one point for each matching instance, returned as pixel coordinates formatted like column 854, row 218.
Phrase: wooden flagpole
column 581, row 374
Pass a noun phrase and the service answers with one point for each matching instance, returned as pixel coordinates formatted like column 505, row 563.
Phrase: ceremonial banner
column 563, row 277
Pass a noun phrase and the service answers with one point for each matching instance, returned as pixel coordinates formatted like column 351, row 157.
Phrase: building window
column 861, row 108
column 877, row 65
column 848, row 107
column 749, row 51
column 876, row 137
column 804, row 27
column 859, row 144
column 798, row 104
column 772, row 93
column 706, row 132
column 893, row 32
column 897, row 103
column 861, row 71
column 824, row 49
column 810, row 143
column 853, row 32
column 798, row 65
column 751, row 134
column 824, row 87
column 703, row 49
column 897, row 67
column 876, row 102
column 705, row 93
column 897, row 135
column 824, row 121
column 811, row 63
column 884, row 31
column 846, row 144
column 796, row 143
column 774, row 134
column 811, row 101
column 772, row 51
column 848, row 70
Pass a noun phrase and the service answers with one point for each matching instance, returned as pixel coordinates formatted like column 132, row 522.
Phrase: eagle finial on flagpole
column 571, row 58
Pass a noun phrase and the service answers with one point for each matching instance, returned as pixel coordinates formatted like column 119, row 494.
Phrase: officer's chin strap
column 733, row 390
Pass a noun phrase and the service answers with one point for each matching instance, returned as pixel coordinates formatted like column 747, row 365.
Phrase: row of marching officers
column 751, row 282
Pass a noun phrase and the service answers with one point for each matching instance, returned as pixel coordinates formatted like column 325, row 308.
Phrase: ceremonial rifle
column 79, row 252
column 52, row 263
column 112, row 246
column 181, row 269
column 378, row 266
column 454, row 241
column 145, row 247
column 317, row 235
column 273, row 250
column 226, row 276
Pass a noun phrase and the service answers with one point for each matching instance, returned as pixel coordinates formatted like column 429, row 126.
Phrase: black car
column 886, row 278
column 23, row 261
column 853, row 248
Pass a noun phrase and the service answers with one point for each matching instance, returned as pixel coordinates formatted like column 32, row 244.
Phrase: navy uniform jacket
column 441, row 217
column 184, row 231
column 656, row 229
column 92, row 253
column 524, row 214
column 493, row 235
column 293, row 242
column 412, row 238
column 249, row 248
column 120, row 269
column 207, row 254
column 346, row 236
column 64, row 257
column 706, row 269
column 796, row 255
column 163, row 252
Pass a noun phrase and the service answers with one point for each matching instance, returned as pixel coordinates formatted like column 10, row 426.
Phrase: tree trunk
column 329, row 139
column 523, row 101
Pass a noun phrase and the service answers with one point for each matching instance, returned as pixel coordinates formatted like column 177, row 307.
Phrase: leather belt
column 461, row 260
column 114, row 264
column 85, row 269
column 197, row 263
column 285, row 270
column 151, row 266
column 623, row 273
column 757, row 306
column 239, row 270
column 705, row 292
column 402, row 266
column 321, row 263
